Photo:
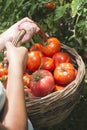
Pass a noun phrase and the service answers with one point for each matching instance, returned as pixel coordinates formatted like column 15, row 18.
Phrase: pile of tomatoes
column 48, row 69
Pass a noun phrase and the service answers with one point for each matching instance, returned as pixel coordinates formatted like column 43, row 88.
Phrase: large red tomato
column 41, row 83
column 61, row 57
column 64, row 73
column 26, row 79
column 34, row 60
column 36, row 47
column 47, row 63
column 51, row 47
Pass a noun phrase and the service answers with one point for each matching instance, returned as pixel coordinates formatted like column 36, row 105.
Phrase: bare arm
column 15, row 117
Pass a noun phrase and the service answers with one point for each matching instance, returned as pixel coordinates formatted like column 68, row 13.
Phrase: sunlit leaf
column 75, row 6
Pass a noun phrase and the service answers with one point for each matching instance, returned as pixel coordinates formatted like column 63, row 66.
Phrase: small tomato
column 26, row 79
column 3, row 71
column 34, row 60
column 29, row 93
column 58, row 88
column 50, row 5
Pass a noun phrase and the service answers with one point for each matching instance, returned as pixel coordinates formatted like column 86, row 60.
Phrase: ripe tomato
column 29, row 93
column 64, row 73
column 58, row 88
column 41, row 83
column 51, row 47
column 61, row 57
column 50, row 5
column 47, row 63
column 36, row 47
column 26, row 79
column 3, row 71
column 4, row 80
column 34, row 60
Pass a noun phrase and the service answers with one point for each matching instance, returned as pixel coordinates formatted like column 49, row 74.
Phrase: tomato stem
column 38, row 76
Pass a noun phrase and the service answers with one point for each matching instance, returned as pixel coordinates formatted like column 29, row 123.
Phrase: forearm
column 16, row 114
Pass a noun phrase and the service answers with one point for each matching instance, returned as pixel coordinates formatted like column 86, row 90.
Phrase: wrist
column 16, row 70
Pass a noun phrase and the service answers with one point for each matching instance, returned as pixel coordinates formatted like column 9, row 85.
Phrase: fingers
column 31, row 29
column 26, row 19
column 28, row 26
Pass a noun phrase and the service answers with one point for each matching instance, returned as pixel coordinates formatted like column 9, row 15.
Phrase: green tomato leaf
column 60, row 12
column 75, row 6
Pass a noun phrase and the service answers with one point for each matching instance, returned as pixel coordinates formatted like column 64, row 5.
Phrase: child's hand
column 27, row 24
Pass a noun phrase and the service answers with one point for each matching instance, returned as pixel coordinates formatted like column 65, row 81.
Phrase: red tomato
column 3, row 71
column 50, row 5
column 64, row 73
column 58, row 88
column 36, row 47
column 34, row 60
column 51, row 47
column 41, row 83
column 47, row 63
column 26, row 79
column 4, row 80
column 29, row 93
column 61, row 57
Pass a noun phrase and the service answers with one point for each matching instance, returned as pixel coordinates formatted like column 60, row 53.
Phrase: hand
column 16, row 57
column 27, row 24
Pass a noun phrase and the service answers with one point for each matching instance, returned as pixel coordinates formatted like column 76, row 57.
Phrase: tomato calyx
column 37, row 76
column 45, row 43
column 63, row 69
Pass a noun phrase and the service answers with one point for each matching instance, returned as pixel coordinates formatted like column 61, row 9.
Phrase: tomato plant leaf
column 75, row 6
column 60, row 12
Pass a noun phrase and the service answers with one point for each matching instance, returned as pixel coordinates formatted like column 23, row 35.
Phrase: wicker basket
column 55, row 107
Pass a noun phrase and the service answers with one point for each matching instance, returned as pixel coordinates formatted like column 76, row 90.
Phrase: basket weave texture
column 55, row 107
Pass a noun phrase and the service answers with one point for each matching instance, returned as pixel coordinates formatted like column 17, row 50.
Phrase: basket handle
column 41, row 33
column 16, row 41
